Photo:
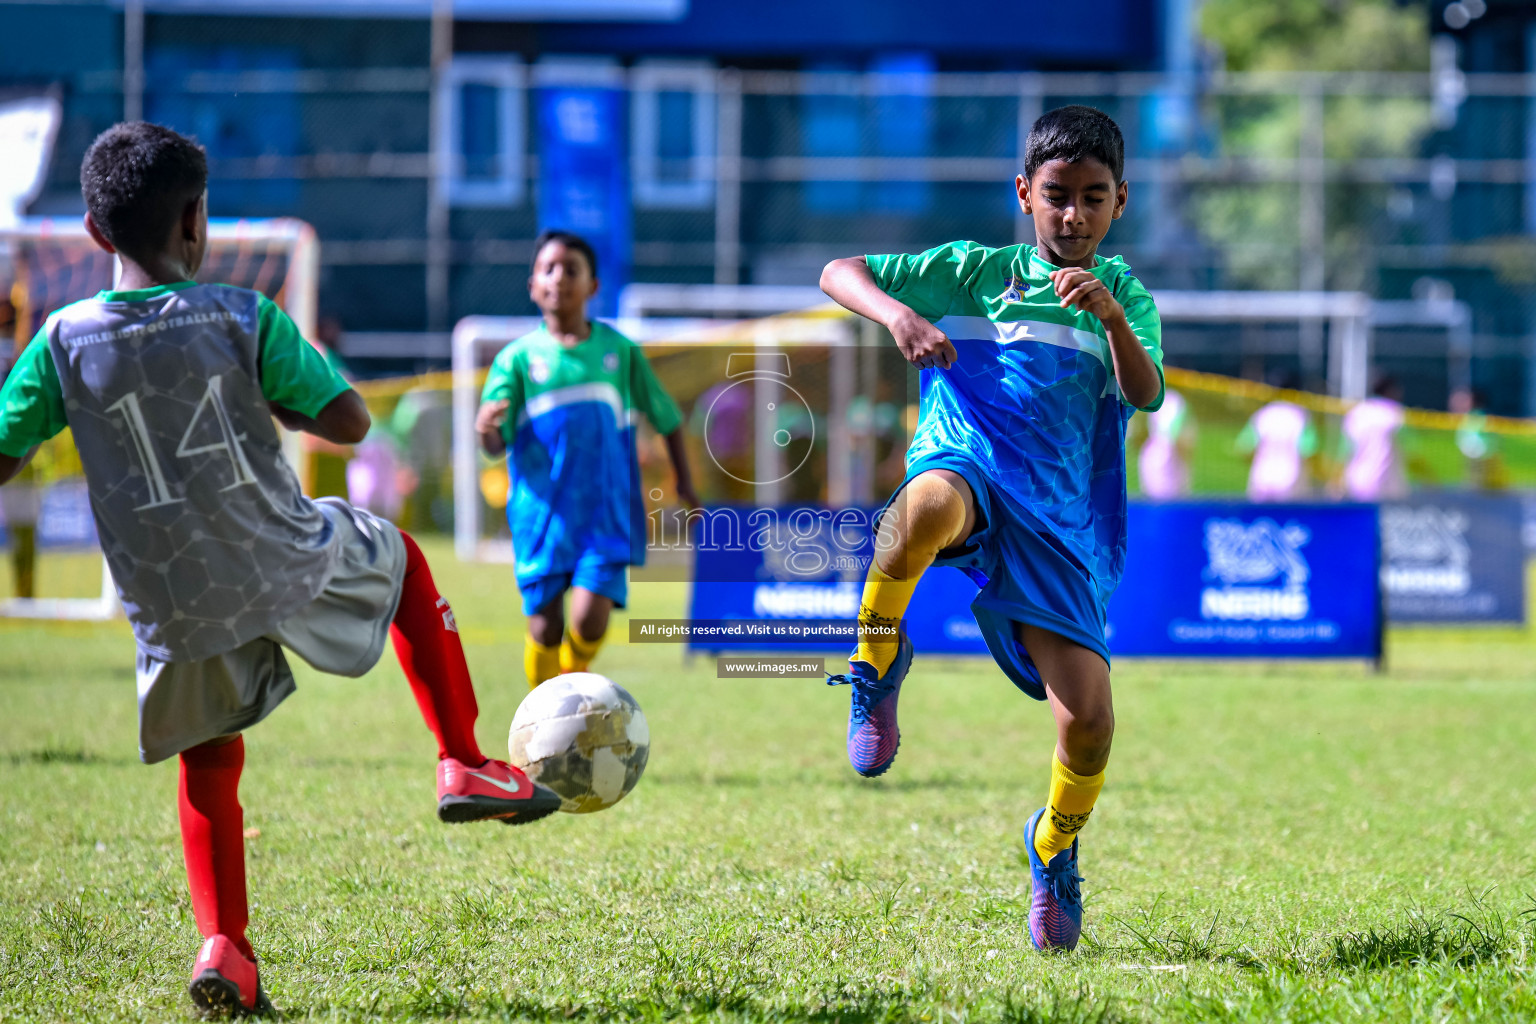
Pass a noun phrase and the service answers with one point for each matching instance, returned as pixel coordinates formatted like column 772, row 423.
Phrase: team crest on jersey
column 611, row 362
column 1011, row 294
column 538, row 370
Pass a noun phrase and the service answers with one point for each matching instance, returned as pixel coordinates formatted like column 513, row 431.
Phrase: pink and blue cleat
column 1055, row 899
column 873, row 735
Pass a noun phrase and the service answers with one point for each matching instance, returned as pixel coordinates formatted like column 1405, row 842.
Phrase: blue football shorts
column 610, row 579
column 1025, row 576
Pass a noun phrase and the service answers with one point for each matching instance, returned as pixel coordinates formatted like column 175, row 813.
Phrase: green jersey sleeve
column 929, row 281
column 294, row 374
column 649, row 397
column 1147, row 325
column 504, row 381
column 31, row 401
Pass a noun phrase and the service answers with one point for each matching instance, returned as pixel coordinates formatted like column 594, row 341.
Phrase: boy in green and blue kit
column 563, row 403
column 1033, row 359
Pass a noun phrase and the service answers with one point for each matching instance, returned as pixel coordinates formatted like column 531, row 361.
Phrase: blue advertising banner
column 1237, row 580
column 1206, row 579
column 802, row 570
column 62, row 516
column 583, row 168
column 1454, row 556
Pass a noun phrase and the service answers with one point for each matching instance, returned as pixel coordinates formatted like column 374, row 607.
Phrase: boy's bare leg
column 934, row 511
column 1077, row 685
column 588, row 626
column 541, row 648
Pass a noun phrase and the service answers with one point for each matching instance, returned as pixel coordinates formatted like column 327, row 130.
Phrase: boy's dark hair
column 137, row 178
column 1075, row 133
column 570, row 241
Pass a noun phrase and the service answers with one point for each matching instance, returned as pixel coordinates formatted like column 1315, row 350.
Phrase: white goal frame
column 477, row 338
column 301, row 295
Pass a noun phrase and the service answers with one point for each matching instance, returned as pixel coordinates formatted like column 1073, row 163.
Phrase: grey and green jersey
column 208, row 536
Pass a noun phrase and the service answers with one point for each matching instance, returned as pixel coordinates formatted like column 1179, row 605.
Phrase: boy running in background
column 169, row 388
column 1033, row 358
column 1280, row 437
column 563, row 402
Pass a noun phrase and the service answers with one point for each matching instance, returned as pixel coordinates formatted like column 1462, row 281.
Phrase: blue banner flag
column 583, row 173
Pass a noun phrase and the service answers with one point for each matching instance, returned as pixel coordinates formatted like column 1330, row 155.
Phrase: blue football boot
column 872, row 732
column 1055, row 898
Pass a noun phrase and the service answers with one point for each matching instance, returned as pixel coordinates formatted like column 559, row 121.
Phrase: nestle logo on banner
column 1426, row 551
column 1260, row 568
column 806, row 600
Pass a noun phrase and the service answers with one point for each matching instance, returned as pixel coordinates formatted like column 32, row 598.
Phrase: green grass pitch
column 1276, row 842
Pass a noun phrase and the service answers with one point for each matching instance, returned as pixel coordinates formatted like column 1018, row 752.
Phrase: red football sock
column 212, row 839
column 427, row 643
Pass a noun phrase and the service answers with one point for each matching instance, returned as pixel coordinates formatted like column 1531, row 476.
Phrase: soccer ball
column 583, row 736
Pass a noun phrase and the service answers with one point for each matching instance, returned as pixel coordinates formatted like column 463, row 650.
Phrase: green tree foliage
column 1256, row 224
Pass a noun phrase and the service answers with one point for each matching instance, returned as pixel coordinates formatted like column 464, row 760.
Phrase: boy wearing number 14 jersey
column 169, row 388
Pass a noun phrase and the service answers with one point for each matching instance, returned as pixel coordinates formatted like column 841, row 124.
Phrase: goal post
column 808, row 354
column 47, row 263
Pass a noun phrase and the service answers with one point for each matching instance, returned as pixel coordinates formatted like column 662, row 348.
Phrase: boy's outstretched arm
column 344, row 420
column 680, row 468
column 851, row 284
column 1134, row 369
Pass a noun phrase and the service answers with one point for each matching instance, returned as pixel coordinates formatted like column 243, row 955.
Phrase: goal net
column 53, row 568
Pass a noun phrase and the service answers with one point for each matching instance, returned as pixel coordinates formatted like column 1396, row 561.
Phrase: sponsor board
column 1203, row 579
column 1452, row 556
column 1241, row 580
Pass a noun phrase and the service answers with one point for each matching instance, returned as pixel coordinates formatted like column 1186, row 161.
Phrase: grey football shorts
column 343, row 631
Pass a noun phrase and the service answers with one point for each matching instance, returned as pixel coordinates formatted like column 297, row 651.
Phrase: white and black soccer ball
column 583, row 736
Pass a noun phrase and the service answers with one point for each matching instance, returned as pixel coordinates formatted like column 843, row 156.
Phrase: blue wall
column 1116, row 34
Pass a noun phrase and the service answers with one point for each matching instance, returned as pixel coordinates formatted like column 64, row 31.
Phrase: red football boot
column 224, row 982
column 492, row 790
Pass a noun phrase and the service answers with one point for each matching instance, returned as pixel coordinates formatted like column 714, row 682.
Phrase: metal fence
column 1399, row 185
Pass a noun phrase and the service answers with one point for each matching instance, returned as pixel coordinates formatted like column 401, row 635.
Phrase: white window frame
column 507, row 75
column 647, row 80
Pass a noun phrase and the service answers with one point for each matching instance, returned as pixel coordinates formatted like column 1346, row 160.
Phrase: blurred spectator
column 1280, row 436
column 1368, row 440
column 1164, row 459
column 1479, row 446
column 722, row 419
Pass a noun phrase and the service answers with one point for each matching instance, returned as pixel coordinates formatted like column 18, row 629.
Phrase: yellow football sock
column 885, row 602
column 1071, row 801
column 539, row 662
column 576, row 654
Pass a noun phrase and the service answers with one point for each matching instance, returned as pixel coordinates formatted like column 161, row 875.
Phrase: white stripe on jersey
column 592, row 391
column 979, row 328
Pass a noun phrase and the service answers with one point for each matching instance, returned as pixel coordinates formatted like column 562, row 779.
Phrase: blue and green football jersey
column 570, row 433
column 1032, row 397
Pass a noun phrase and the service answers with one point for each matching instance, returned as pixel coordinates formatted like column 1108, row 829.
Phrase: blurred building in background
column 710, row 141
